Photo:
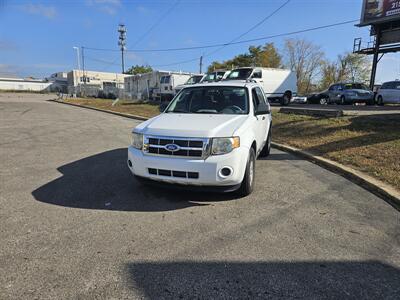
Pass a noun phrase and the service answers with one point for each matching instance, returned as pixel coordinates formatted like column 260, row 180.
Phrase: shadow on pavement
column 103, row 181
column 261, row 280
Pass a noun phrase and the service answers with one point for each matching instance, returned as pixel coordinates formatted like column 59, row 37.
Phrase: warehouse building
column 24, row 84
column 95, row 84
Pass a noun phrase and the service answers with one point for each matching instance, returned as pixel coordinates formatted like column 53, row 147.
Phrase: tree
column 137, row 69
column 266, row 56
column 260, row 56
column 348, row 67
column 304, row 58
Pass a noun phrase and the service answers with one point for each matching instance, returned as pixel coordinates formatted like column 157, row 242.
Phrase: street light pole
column 79, row 68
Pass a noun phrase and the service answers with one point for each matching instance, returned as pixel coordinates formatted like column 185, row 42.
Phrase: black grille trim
column 172, row 173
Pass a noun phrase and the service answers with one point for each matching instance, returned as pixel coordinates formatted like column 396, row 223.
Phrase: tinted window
column 333, row 88
column 259, row 100
column 211, row 100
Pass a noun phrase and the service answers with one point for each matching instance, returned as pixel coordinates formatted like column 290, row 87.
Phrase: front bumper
column 207, row 169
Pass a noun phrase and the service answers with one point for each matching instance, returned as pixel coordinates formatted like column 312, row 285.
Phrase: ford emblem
column 172, row 147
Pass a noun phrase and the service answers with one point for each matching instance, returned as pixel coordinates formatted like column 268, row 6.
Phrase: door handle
column 263, row 117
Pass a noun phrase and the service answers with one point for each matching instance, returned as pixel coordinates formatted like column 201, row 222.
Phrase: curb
column 140, row 118
column 375, row 186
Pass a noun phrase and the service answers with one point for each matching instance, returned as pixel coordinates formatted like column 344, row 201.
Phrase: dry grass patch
column 367, row 143
column 122, row 106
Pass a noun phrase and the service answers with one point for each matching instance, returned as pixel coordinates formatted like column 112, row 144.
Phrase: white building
column 22, row 84
column 95, row 84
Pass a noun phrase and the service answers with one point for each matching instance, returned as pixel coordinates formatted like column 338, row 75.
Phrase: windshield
column 240, row 74
column 211, row 100
column 194, row 79
column 355, row 86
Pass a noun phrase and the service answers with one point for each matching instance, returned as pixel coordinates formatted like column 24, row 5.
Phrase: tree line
column 314, row 71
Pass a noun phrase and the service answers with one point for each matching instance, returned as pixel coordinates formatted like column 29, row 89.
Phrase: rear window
column 355, row 86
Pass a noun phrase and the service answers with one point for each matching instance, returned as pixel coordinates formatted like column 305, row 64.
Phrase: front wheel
column 324, row 101
column 380, row 101
column 247, row 185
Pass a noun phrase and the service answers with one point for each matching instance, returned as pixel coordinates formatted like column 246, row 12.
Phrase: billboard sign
column 380, row 11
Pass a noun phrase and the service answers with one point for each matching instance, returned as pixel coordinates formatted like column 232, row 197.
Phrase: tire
column 380, row 101
column 267, row 147
column 324, row 101
column 286, row 99
column 246, row 188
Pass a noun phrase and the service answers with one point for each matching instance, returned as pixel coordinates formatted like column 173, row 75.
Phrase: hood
column 192, row 125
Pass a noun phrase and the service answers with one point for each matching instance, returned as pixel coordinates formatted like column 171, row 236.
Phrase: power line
column 232, row 43
column 150, row 29
column 265, row 38
column 250, row 29
column 156, row 23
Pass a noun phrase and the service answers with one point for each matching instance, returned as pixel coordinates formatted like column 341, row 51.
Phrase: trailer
column 156, row 85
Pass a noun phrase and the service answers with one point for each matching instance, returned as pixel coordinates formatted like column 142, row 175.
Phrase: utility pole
column 122, row 43
column 201, row 63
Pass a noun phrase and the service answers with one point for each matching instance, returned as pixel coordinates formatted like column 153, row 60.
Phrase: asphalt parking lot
column 74, row 223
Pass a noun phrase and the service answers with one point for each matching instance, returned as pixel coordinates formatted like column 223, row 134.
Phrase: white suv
column 208, row 137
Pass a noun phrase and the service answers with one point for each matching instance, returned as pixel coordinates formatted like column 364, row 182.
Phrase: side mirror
column 163, row 106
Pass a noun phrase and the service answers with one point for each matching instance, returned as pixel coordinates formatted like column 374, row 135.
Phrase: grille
column 171, row 173
column 185, row 147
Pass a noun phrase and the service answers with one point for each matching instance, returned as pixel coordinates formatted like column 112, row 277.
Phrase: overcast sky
column 36, row 37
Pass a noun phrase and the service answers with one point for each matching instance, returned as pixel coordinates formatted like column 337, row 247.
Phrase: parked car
column 215, row 76
column 299, row 100
column 279, row 85
column 208, row 137
column 349, row 93
column 389, row 92
column 318, row 98
column 192, row 80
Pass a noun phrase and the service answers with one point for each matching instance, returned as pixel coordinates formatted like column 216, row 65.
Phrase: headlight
column 137, row 140
column 224, row 145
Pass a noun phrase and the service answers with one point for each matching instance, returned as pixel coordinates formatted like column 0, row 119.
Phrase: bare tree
column 304, row 58
column 348, row 67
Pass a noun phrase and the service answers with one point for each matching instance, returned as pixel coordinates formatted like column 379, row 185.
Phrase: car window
column 211, row 100
column 240, row 74
column 332, row 87
column 162, row 79
column 355, row 86
column 384, row 86
column 259, row 100
column 167, row 79
column 257, row 74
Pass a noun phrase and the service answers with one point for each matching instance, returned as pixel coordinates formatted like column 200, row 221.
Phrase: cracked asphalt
column 74, row 223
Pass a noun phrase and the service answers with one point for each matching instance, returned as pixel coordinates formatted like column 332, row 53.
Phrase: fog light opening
column 225, row 172
column 129, row 163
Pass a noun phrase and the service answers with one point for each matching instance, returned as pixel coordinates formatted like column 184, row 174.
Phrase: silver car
column 349, row 93
column 389, row 92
